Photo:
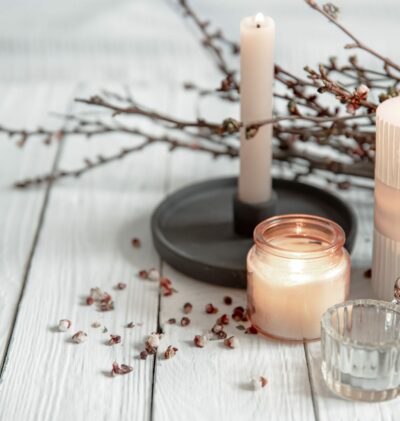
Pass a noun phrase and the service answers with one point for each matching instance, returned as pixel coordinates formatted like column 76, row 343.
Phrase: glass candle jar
column 360, row 350
column 296, row 270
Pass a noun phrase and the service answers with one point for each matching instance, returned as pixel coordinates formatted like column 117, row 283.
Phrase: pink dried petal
column 114, row 339
column 228, row 300
column 120, row 369
column 252, row 330
column 143, row 274
column 211, row 309
column 187, row 308
column 79, row 337
column 185, row 321
column 135, row 242
column 64, row 325
column 223, row 320
column 200, row 341
column 170, row 352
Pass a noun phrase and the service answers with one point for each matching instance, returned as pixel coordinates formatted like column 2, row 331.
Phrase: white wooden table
column 59, row 241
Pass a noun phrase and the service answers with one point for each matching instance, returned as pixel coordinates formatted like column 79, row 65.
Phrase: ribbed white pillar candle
column 386, row 252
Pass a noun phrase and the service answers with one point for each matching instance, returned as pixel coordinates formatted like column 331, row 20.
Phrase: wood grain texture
column 88, row 225
column 213, row 383
column 85, row 242
column 22, row 105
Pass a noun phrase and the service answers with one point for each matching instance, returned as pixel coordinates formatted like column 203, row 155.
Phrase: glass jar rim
column 336, row 241
column 332, row 332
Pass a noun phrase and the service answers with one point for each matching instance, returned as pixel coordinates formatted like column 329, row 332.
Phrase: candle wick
column 258, row 25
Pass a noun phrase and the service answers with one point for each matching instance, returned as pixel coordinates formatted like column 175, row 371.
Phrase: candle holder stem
column 246, row 216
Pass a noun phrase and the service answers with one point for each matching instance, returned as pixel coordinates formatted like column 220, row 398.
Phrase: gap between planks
column 28, row 263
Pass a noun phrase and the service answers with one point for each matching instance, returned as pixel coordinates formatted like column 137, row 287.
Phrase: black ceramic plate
column 193, row 227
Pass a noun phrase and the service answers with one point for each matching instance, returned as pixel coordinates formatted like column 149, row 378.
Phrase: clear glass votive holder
column 360, row 350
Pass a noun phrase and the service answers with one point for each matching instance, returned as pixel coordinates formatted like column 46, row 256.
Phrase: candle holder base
column 193, row 228
column 246, row 216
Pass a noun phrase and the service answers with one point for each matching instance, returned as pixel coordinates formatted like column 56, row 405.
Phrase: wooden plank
column 213, row 383
column 329, row 407
column 22, row 105
column 85, row 242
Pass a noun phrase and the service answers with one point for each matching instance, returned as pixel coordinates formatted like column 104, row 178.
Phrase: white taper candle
column 257, row 36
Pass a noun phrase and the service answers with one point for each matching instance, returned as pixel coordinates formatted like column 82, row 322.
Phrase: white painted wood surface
column 79, row 236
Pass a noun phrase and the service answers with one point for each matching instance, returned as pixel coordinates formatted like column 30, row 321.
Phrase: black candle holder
column 204, row 231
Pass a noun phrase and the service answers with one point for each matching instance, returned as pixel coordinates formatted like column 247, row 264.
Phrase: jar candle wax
column 296, row 271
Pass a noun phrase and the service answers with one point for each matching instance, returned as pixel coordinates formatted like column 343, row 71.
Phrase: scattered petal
column 187, row 308
column 114, row 339
column 64, row 325
column 185, row 321
column 143, row 355
column 211, row 309
column 228, row 300
column 170, row 352
column 258, row 383
column 120, row 369
column 200, row 341
column 232, row 342
column 79, row 337
column 136, row 243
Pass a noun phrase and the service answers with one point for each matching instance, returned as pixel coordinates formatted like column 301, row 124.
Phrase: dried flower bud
column 165, row 283
column 362, row 91
column 217, row 328
column 170, row 352
column 143, row 274
column 223, row 320
column 222, row 334
column 121, row 285
column 211, row 309
column 96, row 293
column 120, row 369
column 166, row 287
column 64, row 325
column 89, row 300
column 130, row 325
column 238, row 313
column 79, row 337
column 259, row 383
column 135, row 242
column 143, row 355
column 252, row 330
column 171, row 321
column 232, row 342
column 106, row 306
column 96, row 325
column 187, row 308
column 152, row 343
column 231, row 125
column 331, row 10
column 185, row 321
column 200, row 341
column 114, row 339
column 227, row 300
column 106, row 298
column 251, row 132
column 153, row 275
